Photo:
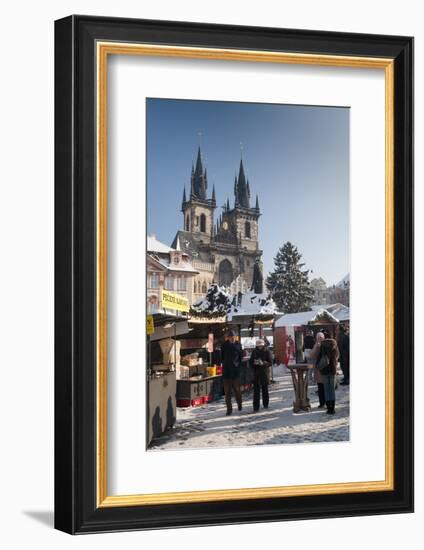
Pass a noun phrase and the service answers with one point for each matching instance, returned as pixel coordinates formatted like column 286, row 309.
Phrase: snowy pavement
column 207, row 425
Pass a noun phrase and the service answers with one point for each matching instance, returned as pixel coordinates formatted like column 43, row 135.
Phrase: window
column 188, row 223
column 181, row 283
column 203, row 223
column 247, row 230
column 154, row 280
column 204, row 288
column 194, row 287
column 169, row 282
column 197, row 220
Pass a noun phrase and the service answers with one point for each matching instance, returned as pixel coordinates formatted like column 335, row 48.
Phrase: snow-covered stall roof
column 216, row 302
column 219, row 301
column 305, row 318
column 252, row 304
column 340, row 312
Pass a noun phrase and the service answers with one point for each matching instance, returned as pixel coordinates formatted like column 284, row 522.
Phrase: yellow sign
column 150, row 325
column 170, row 300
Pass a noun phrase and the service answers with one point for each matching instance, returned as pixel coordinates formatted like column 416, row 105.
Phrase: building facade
column 223, row 248
column 339, row 293
column 169, row 269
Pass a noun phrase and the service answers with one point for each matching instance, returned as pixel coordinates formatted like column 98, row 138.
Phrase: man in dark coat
column 329, row 354
column 344, row 348
column 231, row 366
column 260, row 360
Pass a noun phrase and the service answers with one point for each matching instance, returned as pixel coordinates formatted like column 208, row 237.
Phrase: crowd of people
column 321, row 351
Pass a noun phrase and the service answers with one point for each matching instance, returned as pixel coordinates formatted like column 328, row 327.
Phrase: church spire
column 242, row 188
column 199, row 166
column 184, row 197
column 199, row 178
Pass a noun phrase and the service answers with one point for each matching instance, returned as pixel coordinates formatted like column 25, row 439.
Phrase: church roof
column 189, row 244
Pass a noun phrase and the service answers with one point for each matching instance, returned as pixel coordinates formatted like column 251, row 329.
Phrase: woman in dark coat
column 327, row 366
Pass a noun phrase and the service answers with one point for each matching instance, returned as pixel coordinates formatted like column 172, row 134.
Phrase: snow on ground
column 208, row 426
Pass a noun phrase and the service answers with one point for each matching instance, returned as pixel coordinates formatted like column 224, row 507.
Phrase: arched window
column 247, row 230
column 225, row 273
column 202, row 223
column 204, row 287
column 187, row 223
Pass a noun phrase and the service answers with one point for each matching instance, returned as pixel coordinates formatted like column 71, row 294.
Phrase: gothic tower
column 243, row 218
column 238, row 227
column 198, row 211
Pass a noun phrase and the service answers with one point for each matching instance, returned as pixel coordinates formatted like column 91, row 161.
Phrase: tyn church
column 225, row 251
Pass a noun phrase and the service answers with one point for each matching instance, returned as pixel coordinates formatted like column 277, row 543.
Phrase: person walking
column 327, row 366
column 260, row 360
column 344, row 345
column 313, row 357
column 292, row 348
column 232, row 355
column 308, row 346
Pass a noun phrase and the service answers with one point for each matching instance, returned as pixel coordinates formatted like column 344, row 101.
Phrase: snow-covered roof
column 253, row 304
column 216, row 302
column 153, row 245
column 340, row 311
column 345, row 282
column 304, row 318
column 160, row 253
column 183, row 266
column 219, row 301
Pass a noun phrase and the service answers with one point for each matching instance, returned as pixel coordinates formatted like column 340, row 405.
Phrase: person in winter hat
column 260, row 360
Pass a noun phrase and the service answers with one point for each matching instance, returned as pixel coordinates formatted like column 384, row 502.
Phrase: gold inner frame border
column 103, row 50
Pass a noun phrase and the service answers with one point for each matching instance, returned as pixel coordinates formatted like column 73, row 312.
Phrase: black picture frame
column 76, row 509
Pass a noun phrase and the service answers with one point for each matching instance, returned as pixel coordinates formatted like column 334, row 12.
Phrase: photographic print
column 214, row 190
column 248, row 274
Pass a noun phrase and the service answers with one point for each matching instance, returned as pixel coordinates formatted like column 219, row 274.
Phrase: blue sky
column 296, row 159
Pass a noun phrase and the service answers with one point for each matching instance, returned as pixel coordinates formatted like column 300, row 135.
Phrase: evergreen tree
column 289, row 284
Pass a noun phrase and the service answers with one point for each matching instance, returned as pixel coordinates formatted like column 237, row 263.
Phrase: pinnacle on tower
column 184, row 196
column 242, row 190
column 213, row 194
column 199, row 167
column 242, row 176
column 199, row 179
column 257, row 203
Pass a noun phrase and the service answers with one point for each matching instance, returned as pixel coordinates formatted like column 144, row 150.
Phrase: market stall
column 164, row 328
column 254, row 315
column 199, row 378
column 291, row 329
